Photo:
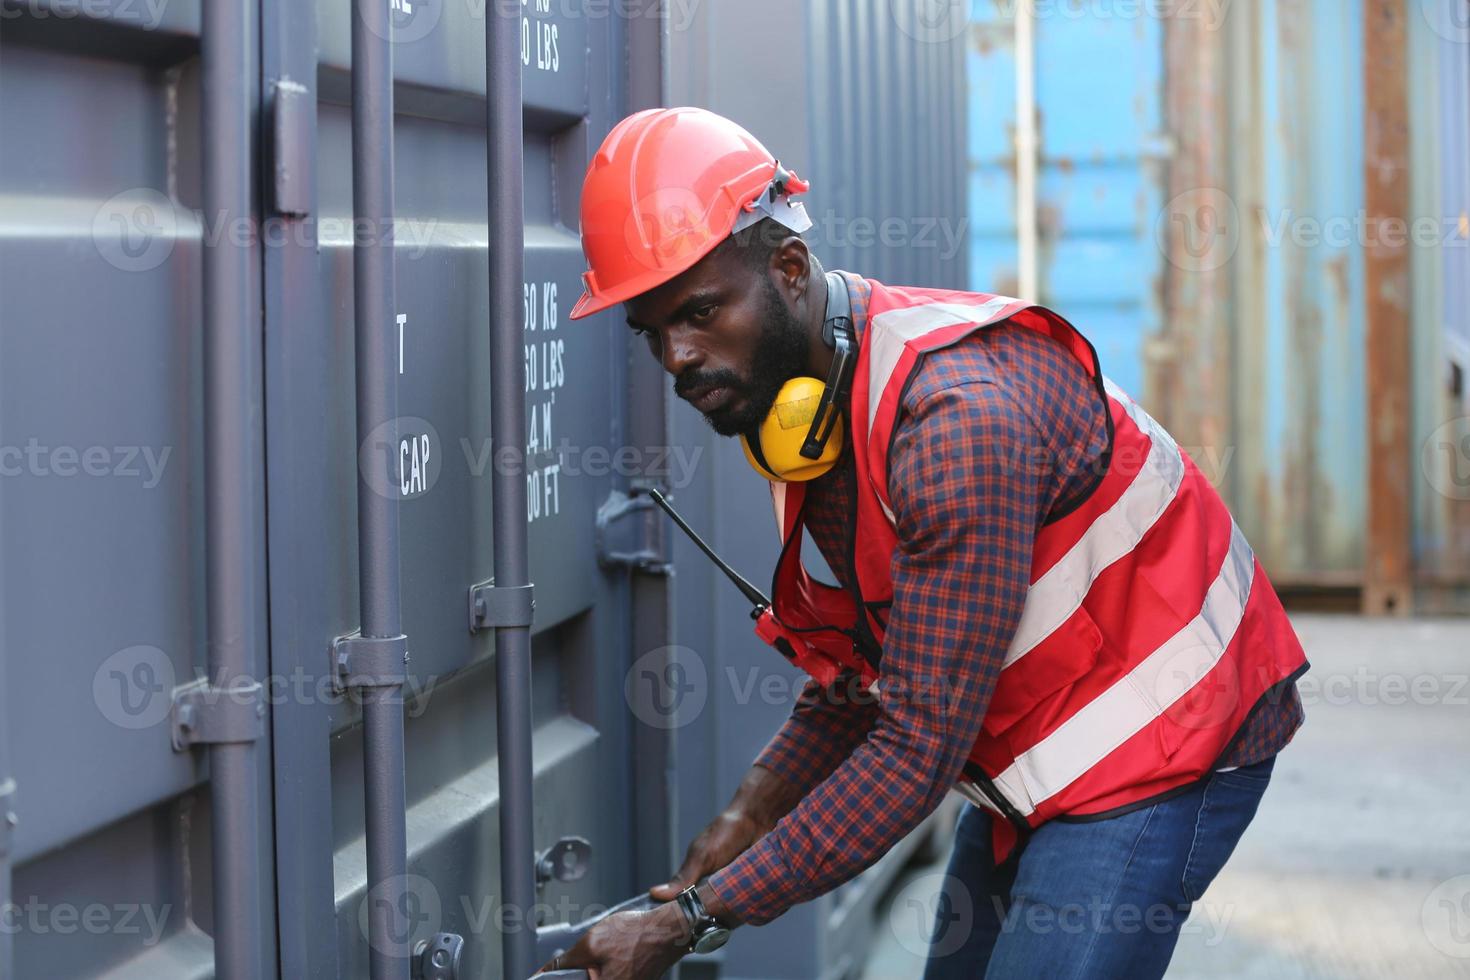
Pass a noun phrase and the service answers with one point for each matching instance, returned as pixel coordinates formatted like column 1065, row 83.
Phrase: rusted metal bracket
column 491, row 607
column 203, row 714
column 1388, row 559
column 369, row 661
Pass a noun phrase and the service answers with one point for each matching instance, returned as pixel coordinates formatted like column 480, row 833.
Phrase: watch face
column 711, row 939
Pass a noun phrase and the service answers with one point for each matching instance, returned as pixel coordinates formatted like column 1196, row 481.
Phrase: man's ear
column 791, row 262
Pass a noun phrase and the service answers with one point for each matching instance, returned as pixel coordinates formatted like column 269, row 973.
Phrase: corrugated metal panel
column 104, row 571
column 1249, row 340
column 1388, row 308
column 1291, row 357
column 1298, row 483
column 1440, row 101
column 885, row 118
column 1261, row 367
column 1098, row 109
column 572, row 79
column 1098, row 90
column 139, row 529
column 879, row 131
column 1274, row 303
column 1451, row 122
column 100, row 362
column 100, row 258
column 1191, row 365
column 991, row 81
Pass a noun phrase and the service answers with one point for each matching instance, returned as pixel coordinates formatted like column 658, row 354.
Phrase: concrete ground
column 1358, row 863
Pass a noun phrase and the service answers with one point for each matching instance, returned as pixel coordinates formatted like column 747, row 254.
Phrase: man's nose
column 678, row 354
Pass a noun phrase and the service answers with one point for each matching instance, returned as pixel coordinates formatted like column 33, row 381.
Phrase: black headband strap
column 837, row 333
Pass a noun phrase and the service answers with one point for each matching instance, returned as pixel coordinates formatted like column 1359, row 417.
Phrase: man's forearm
column 764, row 797
column 823, row 729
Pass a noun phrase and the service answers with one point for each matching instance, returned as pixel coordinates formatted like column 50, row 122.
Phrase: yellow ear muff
column 775, row 448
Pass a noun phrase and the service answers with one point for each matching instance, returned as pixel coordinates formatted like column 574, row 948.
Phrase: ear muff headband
column 802, row 436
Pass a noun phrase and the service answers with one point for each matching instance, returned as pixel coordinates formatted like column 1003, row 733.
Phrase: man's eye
column 704, row 313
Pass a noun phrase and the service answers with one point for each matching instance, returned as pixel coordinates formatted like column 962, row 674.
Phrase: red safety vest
column 1149, row 631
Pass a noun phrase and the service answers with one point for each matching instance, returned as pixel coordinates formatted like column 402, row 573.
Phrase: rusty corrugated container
column 1067, row 149
column 1210, row 192
column 1440, row 88
column 1290, row 211
column 1285, row 276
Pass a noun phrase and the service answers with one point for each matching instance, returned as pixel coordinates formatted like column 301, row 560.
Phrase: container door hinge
column 8, row 819
column 292, row 120
column 203, row 714
column 492, row 607
column 369, row 661
column 628, row 534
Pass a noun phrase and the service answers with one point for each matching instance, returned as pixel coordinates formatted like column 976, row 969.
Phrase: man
column 1041, row 603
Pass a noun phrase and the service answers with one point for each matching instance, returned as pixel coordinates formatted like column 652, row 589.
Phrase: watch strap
column 696, row 916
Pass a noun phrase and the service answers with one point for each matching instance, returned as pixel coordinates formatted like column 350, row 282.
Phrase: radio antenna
column 749, row 591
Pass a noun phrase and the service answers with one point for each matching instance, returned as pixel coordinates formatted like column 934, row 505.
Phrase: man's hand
column 726, row 838
column 629, row 946
column 762, row 799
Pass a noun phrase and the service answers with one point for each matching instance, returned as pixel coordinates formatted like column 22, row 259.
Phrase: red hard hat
column 665, row 188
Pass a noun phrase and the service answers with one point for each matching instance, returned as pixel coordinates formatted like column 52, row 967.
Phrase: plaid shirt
column 994, row 434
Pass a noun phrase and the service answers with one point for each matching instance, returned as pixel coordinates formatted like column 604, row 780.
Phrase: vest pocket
column 1044, row 674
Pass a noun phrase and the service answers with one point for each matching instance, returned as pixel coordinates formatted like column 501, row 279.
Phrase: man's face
column 727, row 335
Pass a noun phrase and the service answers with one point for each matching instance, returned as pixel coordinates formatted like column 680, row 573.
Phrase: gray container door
column 7, row 796
column 440, row 460
column 103, row 507
column 102, row 498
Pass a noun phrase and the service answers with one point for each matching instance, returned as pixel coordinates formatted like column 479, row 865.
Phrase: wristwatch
column 706, row 933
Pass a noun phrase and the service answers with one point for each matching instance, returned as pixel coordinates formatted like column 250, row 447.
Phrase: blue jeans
column 1097, row 899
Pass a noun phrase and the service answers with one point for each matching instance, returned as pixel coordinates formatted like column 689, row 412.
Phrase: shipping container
column 1084, row 94
column 1440, row 444
column 1194, row 185
column 248, row 405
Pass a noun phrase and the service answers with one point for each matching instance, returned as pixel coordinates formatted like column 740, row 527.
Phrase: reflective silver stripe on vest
column 1053, row 598
column 1142, row 695
column 892, row 329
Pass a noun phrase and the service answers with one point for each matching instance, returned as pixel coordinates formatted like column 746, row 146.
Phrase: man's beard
column 780, row 355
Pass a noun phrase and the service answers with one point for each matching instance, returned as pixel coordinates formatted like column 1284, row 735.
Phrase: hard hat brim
column 590, row 303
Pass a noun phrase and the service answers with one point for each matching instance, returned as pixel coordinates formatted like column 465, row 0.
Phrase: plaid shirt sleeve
column 824, row 727
column 967, row 517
